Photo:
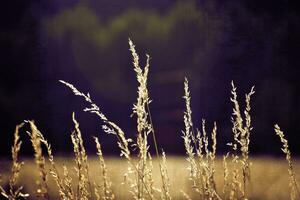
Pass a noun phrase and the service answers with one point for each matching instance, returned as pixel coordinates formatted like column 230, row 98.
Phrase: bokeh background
column 211, row 42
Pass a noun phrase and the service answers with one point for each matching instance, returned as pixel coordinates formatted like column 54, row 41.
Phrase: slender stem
column 155, row 143
column 153, row 132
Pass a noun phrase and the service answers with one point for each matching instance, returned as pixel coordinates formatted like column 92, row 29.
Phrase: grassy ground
column 269, row 178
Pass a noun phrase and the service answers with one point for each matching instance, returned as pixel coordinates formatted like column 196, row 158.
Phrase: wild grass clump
column 139, row 174
column 199, row 156
column 236, row 183
column 139, row 178
column 14, row 191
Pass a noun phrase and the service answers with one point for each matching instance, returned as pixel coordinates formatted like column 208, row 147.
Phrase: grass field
column 269, row 177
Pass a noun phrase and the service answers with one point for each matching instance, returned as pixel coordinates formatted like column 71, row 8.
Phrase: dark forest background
column 209, row 41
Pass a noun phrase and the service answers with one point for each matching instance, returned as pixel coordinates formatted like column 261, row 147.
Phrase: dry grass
column 141, row 177
column 42, row 182
column 294, row 191
column 268, row 178
column 14, row 191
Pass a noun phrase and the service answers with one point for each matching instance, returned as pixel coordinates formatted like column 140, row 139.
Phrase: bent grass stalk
column 294, row 193
column 42, row 184
column 84, row 190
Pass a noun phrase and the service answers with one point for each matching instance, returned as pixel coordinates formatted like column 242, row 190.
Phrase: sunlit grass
column 137, row 174
column 269, row 178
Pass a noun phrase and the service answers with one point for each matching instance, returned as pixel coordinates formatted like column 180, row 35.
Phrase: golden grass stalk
column 165, row 194
column 144, row 127
column 188, row 135
column 294, row 193
column 14, row 191
column 145, row 124
column 83, row 192
column 214, row 143
column 35, row 138
column 105, row 192
column 139, row 108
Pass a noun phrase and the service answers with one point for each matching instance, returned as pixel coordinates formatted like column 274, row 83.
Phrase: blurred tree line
column 210, row 42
